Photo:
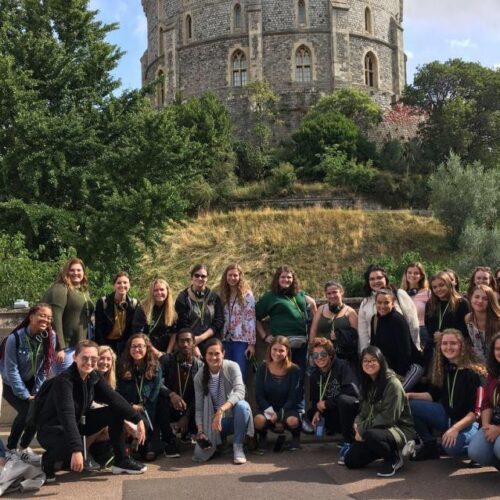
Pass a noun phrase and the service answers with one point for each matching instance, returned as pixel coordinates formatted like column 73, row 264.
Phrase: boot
column 428, row 451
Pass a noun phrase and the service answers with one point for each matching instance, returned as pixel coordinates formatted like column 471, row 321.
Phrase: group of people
column 113, row 385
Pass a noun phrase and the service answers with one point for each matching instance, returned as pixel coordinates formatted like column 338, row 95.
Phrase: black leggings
column 378, row 443
column 19, row 429
column 55, row 443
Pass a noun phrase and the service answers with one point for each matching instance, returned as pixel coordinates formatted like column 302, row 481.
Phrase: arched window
column 303, row 64
column 368, row 20
column 370, row 70
column 301, row 10
column 161, row 89
column 239, row 68
column 237, row 16
column 189, row 27
column 161, row 42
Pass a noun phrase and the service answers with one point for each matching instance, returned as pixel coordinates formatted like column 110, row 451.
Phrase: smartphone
column 204, row 443
column 320, row 427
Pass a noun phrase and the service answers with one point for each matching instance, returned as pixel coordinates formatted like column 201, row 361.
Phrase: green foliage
column 253, row 163
column 392, row 156
column 463, row 103
column 282, row 179
column 319, row 131
column 464, row 195
column 478, row 245
column 342, row 172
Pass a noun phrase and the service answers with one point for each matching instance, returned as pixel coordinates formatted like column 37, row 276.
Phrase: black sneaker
column 48, row 469
column 172, row 450
column 389, row 467
column 186, row 438
column 128, row 466
column 262, row 443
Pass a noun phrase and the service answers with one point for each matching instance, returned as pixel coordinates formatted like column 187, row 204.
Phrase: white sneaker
column 28, row 455
column 408, row 450
column 239, row 454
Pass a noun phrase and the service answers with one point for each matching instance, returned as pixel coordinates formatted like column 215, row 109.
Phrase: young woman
column 415, row 284
column 156, row 317
column 199, row 308
column 25, row 365
column 376, row 278
column 139, row 381
column 445, row 309
column 455, row 280
column 278, row 393
column 485, row 445
column 64, row 419
column 72, row 311
column 286, row 306
column 383, row 427
column 481, row 276
column 221, row 408
column 239, row 317
column 106, row 364
column 391, row 334
column 483, row 322
column 114, row 314
column 333, row 391
column 336, row 321
column 449, row 404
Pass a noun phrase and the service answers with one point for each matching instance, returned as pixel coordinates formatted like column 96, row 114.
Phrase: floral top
column 239, row 320
column 480, row 345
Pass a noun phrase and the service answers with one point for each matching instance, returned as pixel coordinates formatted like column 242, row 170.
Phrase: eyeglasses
column 316, row 355
column 89, row 359
column 137, row 347
column 370, row 361
column 200, row 276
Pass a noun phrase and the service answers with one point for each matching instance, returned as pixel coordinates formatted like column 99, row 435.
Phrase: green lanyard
column 322, row 389
column 139, row 388
column 441, row 315
column 495, row 397
column 181, row 390
column 33, row 355
column 450, row 394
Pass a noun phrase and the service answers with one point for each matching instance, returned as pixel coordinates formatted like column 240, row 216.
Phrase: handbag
column 297, row 341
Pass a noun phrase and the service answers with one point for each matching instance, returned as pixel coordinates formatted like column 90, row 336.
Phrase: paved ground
column 311, row 473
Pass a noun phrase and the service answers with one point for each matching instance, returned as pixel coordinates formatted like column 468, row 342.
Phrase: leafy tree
column 282, row 179
column 392, row 156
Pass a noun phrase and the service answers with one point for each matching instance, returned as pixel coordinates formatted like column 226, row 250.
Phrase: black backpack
column 3, row 344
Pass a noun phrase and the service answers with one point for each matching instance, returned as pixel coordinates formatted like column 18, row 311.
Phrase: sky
column 433, row 30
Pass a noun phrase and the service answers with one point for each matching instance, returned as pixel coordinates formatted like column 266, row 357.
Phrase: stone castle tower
column 304, row 48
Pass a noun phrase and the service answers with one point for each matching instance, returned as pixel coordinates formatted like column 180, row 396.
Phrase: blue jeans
column 482, row 451
column 235, row 351
column 237, row 424
column 68, row 361
column 428, row 416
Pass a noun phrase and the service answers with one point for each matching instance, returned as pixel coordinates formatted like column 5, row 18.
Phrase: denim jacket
column 16, row 365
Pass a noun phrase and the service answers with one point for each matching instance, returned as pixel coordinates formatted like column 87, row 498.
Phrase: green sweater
column 69, row 310
column 392, row 412
column 287, row 314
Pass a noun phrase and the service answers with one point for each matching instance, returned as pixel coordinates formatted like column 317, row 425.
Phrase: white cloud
column 466, row 43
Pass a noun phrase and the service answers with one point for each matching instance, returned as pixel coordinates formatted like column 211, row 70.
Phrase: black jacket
column 105, row 318
column 342, row 381
column 70, row 397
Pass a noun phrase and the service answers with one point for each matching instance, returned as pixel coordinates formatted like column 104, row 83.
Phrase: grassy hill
column 319, row 243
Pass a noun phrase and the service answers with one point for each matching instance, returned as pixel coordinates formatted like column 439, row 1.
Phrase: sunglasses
column 89, row 359
column 137, row 347
column 317, row 355
column 200, row 276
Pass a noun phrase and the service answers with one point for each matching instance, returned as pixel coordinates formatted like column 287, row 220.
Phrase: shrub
column 282, row 179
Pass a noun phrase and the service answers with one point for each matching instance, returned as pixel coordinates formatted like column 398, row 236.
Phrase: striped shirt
column 216, row 390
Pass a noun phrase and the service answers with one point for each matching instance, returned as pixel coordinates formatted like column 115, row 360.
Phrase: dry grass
column 317, row 242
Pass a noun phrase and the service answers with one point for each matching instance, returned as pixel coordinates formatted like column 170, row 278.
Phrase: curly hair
column 168, row 306
column 492, row 311
column 275, row 284
column 126, row 366
column 491, row 280
column 492, row 363
column 63, row 276
column 466, row 359
column 422, row 282
column 454, row 296
column 225, row 290
column 109, row 376
column 324, row 343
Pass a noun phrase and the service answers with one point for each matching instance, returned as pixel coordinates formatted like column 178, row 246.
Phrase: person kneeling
column 384, row 427
column 63, row 420
column 334, row 394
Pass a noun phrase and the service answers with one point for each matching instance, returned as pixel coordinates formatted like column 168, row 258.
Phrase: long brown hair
column 225, row 290
column 491, row 282
column 63, row 276
column 281, row 340
column 48, row 348
column 467, row 359
column 454, row 296
column 422, row 282
column 148, row 304
column 492, row 311
column 275, row 284
column 126, row 366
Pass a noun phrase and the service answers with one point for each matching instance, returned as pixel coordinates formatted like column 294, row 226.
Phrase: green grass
column 318, row 242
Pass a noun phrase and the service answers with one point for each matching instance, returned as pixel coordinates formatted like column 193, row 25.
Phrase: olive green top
column 71, row 311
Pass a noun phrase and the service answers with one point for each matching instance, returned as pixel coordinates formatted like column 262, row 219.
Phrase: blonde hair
column 466, row 359
column 109, row 376
column 148, row 304
column 225, row 290
column 453, row 296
